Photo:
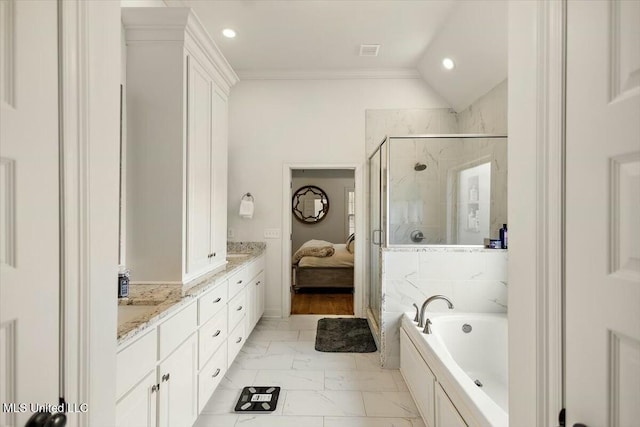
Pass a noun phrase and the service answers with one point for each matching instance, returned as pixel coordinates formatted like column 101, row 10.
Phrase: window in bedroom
column 350, row 210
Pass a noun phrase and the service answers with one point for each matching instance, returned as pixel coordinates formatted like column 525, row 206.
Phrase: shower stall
column 444, row 190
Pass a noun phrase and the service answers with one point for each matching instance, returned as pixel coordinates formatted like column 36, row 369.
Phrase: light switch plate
column 231, row 233
column 271, row 233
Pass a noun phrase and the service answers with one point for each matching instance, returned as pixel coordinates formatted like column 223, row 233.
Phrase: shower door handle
column 373, row 237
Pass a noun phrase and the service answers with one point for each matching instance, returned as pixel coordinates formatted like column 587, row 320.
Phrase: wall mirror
column 310, row 204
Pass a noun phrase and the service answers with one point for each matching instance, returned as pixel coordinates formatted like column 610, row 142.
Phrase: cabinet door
column 419, row 379
column 219, row 179
column 257, row 300
column 137, row 408
column 199, row 115
column 446, row 414
column 178, row 386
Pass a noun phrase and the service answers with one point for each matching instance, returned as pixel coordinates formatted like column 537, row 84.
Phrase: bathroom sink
column 127, row 313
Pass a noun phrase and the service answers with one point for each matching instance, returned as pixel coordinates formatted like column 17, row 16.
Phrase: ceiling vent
column 369, row 49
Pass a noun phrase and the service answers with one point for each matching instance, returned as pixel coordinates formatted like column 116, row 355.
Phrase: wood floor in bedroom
column 322, row 303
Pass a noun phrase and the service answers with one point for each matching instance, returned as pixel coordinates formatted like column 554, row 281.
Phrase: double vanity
column 175, row 344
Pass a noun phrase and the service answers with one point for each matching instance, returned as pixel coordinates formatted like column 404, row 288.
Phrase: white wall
column 332, row 228
column 275, row 122
column 524, row 64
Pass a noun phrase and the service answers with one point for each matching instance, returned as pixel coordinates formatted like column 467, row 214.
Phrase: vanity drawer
column 175, row 330
column 238, row 281
column 235, row 342
column 135, row 361
column 212, row 335
column 237, row 309
column 212, row 302
column 211, row 375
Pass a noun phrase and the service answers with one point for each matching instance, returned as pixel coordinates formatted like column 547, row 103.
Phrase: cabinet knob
column 239, row 308
column 165, row 377
column 216, row 373
column 217, row 300
column 258, row 282
column 238, row 340
column 214, row 254
column 239, row 282
column 216, row 334
column 155, row 388
column 209, row 256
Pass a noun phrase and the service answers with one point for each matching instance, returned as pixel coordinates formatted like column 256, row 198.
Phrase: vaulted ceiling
column 284, row 39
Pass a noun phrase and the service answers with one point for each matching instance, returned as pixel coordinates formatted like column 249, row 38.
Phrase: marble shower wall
column 474, row 279
column 380, row 123
column 488, row 114
column 426, row 200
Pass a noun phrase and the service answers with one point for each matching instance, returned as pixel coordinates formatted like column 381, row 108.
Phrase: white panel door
column 603, row 213
column 29, row 256
column 198, row 168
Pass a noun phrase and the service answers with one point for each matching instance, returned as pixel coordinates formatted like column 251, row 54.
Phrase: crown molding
column 172, row 24
column 329, row 74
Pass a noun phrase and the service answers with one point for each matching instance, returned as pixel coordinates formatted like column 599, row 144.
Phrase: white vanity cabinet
column 255, row 298
column 177, row 86
column 138, row 407
column 178, row 393
column 166, row 376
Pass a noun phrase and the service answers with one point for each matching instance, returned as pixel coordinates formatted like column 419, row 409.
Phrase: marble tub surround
column 475, row 279
column 165, row 299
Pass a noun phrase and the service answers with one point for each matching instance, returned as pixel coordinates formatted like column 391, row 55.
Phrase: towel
column 246, row 209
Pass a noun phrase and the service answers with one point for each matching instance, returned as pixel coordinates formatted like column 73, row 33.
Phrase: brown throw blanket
column 317, row 248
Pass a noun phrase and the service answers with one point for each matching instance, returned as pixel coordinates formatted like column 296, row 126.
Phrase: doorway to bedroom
column 323, row 224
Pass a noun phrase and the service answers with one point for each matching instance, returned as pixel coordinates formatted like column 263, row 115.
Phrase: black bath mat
column 344, row 335
column 258, row 399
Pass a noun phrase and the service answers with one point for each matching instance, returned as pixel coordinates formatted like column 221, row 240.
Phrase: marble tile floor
column 318, row 389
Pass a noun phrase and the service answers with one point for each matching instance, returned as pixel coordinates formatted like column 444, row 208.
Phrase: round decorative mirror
column 310, row 204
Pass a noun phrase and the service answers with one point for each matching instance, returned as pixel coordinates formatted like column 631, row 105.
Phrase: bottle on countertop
column 123, row 282
column 503, row 236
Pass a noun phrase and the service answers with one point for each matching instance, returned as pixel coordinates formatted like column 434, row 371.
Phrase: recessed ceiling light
column 229, row 33
column 448, row 63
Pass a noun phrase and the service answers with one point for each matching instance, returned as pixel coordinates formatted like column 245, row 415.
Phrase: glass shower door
column 375, row 233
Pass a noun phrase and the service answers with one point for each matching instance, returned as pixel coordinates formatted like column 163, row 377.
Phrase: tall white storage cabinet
column 177, row 87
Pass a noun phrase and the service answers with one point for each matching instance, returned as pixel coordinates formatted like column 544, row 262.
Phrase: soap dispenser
column 123, row 282
column 503, row 236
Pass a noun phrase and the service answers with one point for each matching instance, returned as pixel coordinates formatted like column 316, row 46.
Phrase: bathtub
column 470, row 366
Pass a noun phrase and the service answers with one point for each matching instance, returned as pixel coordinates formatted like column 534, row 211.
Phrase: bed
column 332, row 269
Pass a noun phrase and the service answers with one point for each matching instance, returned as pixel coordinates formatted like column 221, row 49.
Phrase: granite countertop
column 149, row 304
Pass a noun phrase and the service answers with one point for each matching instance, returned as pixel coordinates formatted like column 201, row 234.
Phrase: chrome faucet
column 421, row 320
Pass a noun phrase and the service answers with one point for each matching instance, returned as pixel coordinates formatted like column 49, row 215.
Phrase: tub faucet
column 426, row 303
